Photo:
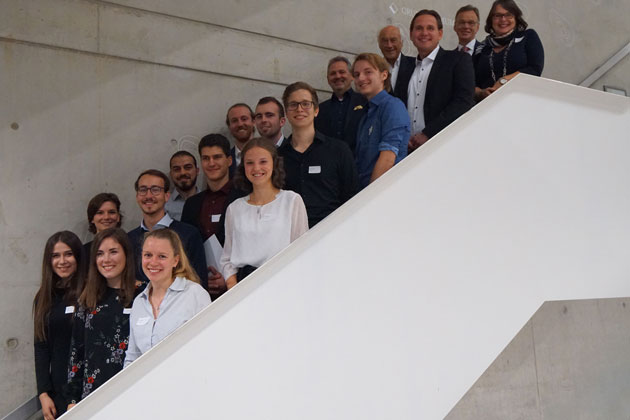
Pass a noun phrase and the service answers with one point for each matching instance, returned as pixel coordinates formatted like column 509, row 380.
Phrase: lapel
column 433, row 78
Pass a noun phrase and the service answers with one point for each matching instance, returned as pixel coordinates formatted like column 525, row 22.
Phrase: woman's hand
column 48, row 406
column 231, row 281
column 483, row 93
column 70, row 406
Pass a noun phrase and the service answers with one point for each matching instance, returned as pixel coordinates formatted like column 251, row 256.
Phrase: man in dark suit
column 441, row 87
column 466, row 27
column 390, row 43
column 339, row 116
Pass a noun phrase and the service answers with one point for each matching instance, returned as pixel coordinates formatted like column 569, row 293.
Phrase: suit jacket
column 450, row 90
column 407, row 66
column 356, row 110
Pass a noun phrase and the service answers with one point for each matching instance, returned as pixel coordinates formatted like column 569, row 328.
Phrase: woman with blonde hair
column 172, row 297
column 385, row 130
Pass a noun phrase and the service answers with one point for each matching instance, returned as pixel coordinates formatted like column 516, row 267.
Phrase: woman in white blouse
column 261, row 224
column 172, row 297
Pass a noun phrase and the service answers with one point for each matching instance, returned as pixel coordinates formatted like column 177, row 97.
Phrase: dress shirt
column 470, row 45
column 339, row 109
column 175, row 204
column 163, row 223
column 280, row 140
column 325, row 175
column 417, row 90
column 384, row 127
column 395, row 69
column 183, row 300
column 254, row 234
column 212, row 209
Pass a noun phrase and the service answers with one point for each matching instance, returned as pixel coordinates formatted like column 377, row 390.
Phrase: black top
column 325, row 175
column 193, row 245
column 525, row 55
column 51, row 356
column 99, row 341
column 346, row 114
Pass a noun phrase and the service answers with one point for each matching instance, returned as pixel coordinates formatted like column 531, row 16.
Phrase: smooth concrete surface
column 467, row 237
column 568, row 362
column 85, row 80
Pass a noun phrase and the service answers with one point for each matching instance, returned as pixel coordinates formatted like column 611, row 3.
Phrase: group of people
column 103, row 304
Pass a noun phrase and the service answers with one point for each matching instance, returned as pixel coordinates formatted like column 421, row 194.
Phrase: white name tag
column 215, row 218
column 126, row 311
column 143, row 320
column 69, row 309
column 314, row 169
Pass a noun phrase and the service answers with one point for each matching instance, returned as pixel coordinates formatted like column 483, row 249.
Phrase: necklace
column 505, row 54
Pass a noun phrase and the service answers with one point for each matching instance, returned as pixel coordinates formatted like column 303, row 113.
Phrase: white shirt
column 237, row 155
column 470, row 45
column 417, row 90
column 254, row 234
column 183, row 300
column 162, row 224
column 395, row 69
column 280, row 140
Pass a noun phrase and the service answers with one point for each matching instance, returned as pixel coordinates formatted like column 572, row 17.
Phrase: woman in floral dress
column 100, row 333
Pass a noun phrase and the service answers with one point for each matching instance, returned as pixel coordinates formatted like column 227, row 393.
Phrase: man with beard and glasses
column 339, row 116
column 269, row 118
column 152, row 192
column 183, row 173
column 240, row 122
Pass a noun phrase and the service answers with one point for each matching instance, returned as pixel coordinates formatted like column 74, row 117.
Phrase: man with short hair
column 466, row 27
column 206, row 210
column 390, row 42
column 240, row 122
column 340, row 115
column 152, row 192
column 183, row 173
column 442, row 85
column 269, row 119
column 319, row 168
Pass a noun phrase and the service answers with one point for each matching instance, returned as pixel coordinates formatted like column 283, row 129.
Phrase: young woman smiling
column 172, row 297
column 385, row 130
column 103, row 212
column 100, row 334
column 261, row 224
column 53, row 308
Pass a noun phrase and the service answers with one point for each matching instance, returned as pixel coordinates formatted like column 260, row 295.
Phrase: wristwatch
column 503, row 80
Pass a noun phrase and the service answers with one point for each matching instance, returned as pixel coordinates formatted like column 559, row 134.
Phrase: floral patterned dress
column 97, row 350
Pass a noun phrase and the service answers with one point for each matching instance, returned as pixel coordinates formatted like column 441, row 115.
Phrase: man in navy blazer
column 466, row 27
column 340, row 115
column 390, row 42
column 441, row 86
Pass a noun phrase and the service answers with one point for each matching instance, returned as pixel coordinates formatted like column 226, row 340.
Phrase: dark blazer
column 450, row 90
column 407, row 66
column 356, row 110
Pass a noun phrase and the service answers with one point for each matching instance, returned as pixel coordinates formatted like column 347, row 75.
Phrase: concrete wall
column 93, row 92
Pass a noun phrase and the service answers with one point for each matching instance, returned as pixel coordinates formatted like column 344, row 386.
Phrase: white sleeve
column 133, row 352
column 227, row 268
column 299, row 219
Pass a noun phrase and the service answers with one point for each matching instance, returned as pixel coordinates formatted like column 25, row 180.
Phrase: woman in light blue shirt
column 172, row 297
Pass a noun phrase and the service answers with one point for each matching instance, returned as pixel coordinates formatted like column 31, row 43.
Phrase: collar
column 397, row 62
column 164, row 222
column 431, row 55
column 345, row 96
column 379, row 98
column 280, row 140
column 470, row 45
column 178, row 285
column 176, row 195
column 225, row 189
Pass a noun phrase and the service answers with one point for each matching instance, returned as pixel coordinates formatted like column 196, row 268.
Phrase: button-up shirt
column 175, row 204
column 163, row 223
column 417, row 90
column 470, row 46
column 212, row 208
column 395, row 69
column 384, row 127
column 183, row 300
column 339, row 108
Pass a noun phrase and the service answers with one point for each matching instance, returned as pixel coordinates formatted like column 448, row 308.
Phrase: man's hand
column 416, row 141
column 216, row 282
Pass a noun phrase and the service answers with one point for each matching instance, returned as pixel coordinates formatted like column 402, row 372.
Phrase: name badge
column 143, row 320
column 314, row 169
column 215, row 218
column 69, row 309
column 126, row 311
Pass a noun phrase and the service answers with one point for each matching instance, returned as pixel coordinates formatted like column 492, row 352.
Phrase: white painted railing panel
column 393, row 306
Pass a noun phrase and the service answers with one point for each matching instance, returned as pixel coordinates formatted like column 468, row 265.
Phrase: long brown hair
column 277, row 176
column 44, row 297
column 96, row 284
column 183, row 267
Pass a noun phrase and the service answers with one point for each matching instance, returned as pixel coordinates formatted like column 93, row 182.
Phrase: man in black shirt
column 319, row 168
column 340, row 115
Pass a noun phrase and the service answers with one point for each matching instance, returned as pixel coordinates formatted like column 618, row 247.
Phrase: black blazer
column 407, row 66
column 450, row 90
column 356, row 110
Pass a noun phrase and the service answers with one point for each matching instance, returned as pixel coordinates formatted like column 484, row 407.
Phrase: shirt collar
column 470, row 45
column 430, row 57
column 345, row 96
column 280, row 140
column 397, row 62
column 178, row 285
column 176, row 196
column 164, row 222
column 225, row 189
column 379, row 98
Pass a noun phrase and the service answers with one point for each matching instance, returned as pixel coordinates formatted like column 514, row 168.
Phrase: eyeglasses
column 466, row 23
column 499, row 16
column 155, row 190
column 292, row 106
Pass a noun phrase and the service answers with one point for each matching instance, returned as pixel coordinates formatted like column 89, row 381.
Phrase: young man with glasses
column 319, row 168
column 152, row 192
